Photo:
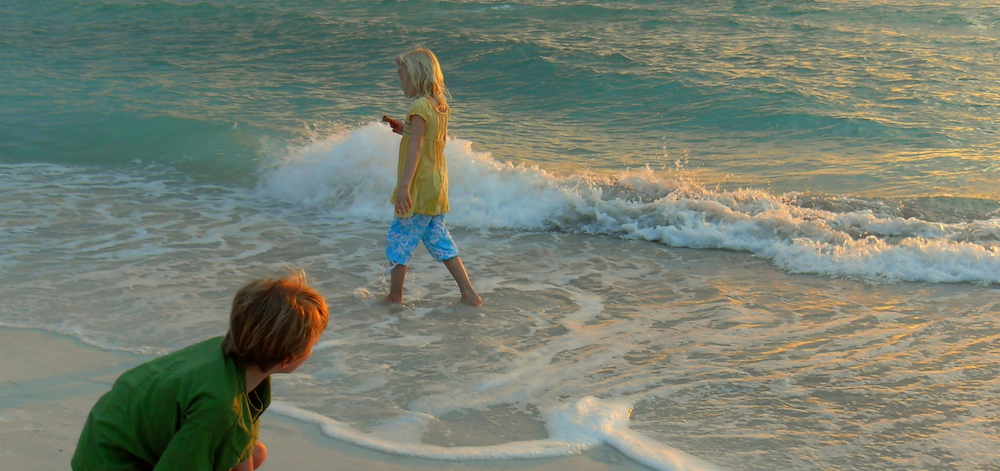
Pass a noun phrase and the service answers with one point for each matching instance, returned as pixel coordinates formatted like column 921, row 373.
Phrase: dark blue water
column 893, row 99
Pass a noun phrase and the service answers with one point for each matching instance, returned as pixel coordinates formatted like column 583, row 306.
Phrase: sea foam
column 574, row 428
column 353, row 172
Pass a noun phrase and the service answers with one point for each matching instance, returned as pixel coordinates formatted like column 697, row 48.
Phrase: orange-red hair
column 274, row 320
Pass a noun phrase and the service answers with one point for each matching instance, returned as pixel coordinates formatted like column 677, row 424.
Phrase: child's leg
column 396, row 276
column 457, row 270
column 404, row 235
column 439, row 243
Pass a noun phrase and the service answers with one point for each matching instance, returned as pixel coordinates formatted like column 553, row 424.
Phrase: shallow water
column 719, row 354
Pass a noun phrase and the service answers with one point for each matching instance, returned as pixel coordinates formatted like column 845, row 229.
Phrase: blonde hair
column 424, row 73
column 274, row 320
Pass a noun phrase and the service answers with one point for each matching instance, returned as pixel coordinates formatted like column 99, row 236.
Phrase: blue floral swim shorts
column 405, row 233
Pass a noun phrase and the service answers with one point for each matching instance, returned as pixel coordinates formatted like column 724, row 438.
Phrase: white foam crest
column 855, row 244
column 915, row 259
column 354, row 172
column 486, row 193
column 573, row 428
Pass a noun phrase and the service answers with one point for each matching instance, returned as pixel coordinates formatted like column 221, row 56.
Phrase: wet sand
column 49, row 382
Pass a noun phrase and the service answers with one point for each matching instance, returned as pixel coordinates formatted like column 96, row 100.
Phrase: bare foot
column 473, row 300
column 457, row 270
column 389, row 299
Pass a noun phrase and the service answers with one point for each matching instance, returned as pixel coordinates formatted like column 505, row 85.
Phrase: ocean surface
column 745, row 235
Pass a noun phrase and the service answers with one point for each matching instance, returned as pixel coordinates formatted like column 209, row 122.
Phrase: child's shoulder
column 421, row 102
column 204, row 359
column 428, row 103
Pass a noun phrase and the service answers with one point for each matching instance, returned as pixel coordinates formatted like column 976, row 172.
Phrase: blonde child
column 421, row 194
column 199, row 408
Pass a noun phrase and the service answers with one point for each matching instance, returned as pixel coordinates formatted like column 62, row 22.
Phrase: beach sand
column 49, row 382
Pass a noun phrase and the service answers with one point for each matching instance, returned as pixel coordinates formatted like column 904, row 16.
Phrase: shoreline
column 49, row 382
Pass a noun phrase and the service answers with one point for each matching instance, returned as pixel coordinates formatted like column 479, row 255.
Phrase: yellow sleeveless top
column 429, row 187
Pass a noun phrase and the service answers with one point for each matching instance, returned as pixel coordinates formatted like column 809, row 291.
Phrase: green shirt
column 184, row 411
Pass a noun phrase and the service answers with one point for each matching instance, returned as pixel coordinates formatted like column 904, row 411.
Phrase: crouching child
column 199, row 408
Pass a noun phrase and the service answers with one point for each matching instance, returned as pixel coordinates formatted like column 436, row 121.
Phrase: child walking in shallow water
column 421, row 194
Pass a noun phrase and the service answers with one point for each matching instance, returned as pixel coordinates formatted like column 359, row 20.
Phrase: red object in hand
column 396, row 125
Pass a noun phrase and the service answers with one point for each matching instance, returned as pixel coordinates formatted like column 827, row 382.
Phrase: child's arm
column 403, row 202
column 395, row 124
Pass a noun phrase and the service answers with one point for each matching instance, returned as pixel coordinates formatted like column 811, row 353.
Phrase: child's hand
column 403, row 202
column 395, row 124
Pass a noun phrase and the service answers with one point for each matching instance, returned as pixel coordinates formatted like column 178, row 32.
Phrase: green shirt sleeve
column 196, row 448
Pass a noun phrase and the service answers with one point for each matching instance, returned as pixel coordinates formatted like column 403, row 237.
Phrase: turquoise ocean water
column 732, row 234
